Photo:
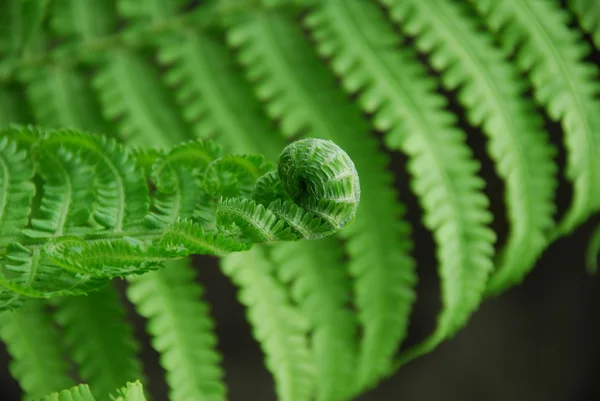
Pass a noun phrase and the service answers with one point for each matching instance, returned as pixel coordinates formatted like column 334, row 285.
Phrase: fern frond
column 133, row 391
column 490, row 89
column 99, row 340
column 33, row 343
column 322, row 290
column 287, row 76
column 551, row 53
column 80, row 392
column 394, row 87
column 123, row 85
column 85, row 19
column 216, row 100
column 61, row 98
column 42, row 260
column 278, row 326
column 588, row 14
column 182, row 331
column 16, row 188
column 121, row 194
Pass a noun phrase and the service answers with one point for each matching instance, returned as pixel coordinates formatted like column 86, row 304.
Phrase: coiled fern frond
column 81, row 235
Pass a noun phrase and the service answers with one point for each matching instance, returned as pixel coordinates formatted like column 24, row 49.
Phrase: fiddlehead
column 82, row 235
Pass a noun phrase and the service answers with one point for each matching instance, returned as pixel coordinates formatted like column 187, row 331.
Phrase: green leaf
column 278, row 326
column 491, row 90
column 99, row 340
column 77, row 393
column 182, row 331
column 552, row 55
column 33, row 342
column 395, row 88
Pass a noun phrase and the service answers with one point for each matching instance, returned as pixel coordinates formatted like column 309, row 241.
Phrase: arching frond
column 394, row 87
column 99, row 340
column 215, row 97
column 80, row 392
column 123, row 85
column 16, row 188
column 588, row 13
column 551, row 53
column 61, row 98
column 278, row 326
column 33, row 342
column 85, row 19
column 133, row 391
column 287, row 76
column 182, row 332
column 322, row 291
column 492, row 93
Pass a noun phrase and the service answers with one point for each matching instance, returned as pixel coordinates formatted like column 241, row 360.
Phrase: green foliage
column 86, row 234
column 133, row 391
column 178, row 80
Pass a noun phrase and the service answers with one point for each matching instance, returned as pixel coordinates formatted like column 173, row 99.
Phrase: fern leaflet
column 99, row 340
column 490, row 90
column 394, row 87
column 279, row 327
column 552, row 55
column 588, row 13
column 33, row 342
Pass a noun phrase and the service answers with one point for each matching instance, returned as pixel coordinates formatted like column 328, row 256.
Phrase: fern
column 78, row 210
column 394, row 87
column 116, row 242
column 278, row 326
column 133, row 391
column 588, row 13
column 274, row 53
column 99, row 340
column 490, row 89
column 33, row 342
column 552, row 55
column 181, row 341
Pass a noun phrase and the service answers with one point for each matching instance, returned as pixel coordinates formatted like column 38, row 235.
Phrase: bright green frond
column 121, row 192
column 394, row 87
column 99, row 340
column 33, row 343
column 216, row 99
column 182, row 331
column 86, row 19
column 322, row 291
column 278, row 326
column 61, row 98
column 67, row 194
column 551, row 53
column 16, row 186
column 588, row 13
column 133, row 391
column 490, row 89
column 77, row 393
column 288, row 76
column 123, row 85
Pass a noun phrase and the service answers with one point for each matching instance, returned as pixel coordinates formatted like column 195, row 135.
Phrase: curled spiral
column 314, row 192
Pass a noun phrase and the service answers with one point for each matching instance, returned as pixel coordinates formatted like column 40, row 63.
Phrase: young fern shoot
column 118, row 226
